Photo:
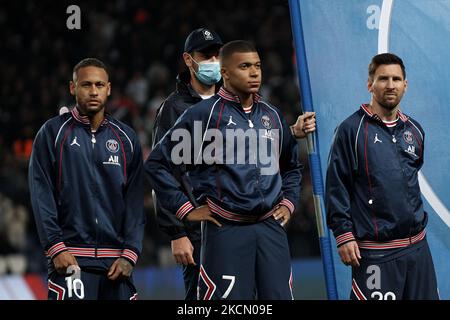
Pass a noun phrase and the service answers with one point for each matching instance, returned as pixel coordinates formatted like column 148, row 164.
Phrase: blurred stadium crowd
column 142, row 43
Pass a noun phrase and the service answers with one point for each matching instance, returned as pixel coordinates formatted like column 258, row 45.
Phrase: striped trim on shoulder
column 227, row 95
column 400, row 114
column 184, row 210
column 366, row 110
column 82, row 118
column 344, row 238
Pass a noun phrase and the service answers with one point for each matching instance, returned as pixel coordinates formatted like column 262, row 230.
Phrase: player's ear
column 224, row 73
column 406, row 84
column 187, row 59
column 72, row 88
column 109, row 88
column 369, row 84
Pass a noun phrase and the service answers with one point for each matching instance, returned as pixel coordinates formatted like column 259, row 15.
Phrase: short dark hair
column 90, row 62
column 235, row 46
column 385, row 58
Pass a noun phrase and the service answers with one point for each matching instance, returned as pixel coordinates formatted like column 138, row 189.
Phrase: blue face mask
column 208, row 72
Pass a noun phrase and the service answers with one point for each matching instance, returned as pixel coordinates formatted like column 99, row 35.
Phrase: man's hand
column 64, row 260
column 202, row 213
column 120, row 269
column 349, row 253
column 306, row 123
column 182, row 250
column 283, row 214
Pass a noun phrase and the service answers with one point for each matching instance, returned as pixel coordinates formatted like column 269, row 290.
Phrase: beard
column 389, row 104
column 90, row 109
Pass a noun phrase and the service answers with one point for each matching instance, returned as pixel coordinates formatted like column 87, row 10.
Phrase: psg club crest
column 265, row 120
column 408, row 136
column 112, row 145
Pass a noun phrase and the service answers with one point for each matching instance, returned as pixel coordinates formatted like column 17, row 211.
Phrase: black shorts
column 245, row 262
column 406, row 274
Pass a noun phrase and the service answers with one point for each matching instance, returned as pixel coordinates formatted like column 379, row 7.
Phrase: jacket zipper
column 398, row 153
column 252, row 126
column 258, row 169
column 93, row 140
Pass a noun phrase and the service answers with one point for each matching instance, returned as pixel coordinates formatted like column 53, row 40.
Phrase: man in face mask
column 201, row 51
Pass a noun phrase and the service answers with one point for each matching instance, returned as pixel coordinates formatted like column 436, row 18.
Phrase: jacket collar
column 84, row 119
column 227, row 95
column 183, row 85
column 366, row 110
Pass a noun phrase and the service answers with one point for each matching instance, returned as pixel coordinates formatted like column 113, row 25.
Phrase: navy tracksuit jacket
column 372, row 189
column 373, row 197
column 235, row 192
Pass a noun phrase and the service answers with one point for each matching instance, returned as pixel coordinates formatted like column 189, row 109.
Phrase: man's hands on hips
column 306, row 123
column 283, row 214
column 202, row 213
column 120, row 269
column 182, row 250
column 63, row 260
column 349, row 253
